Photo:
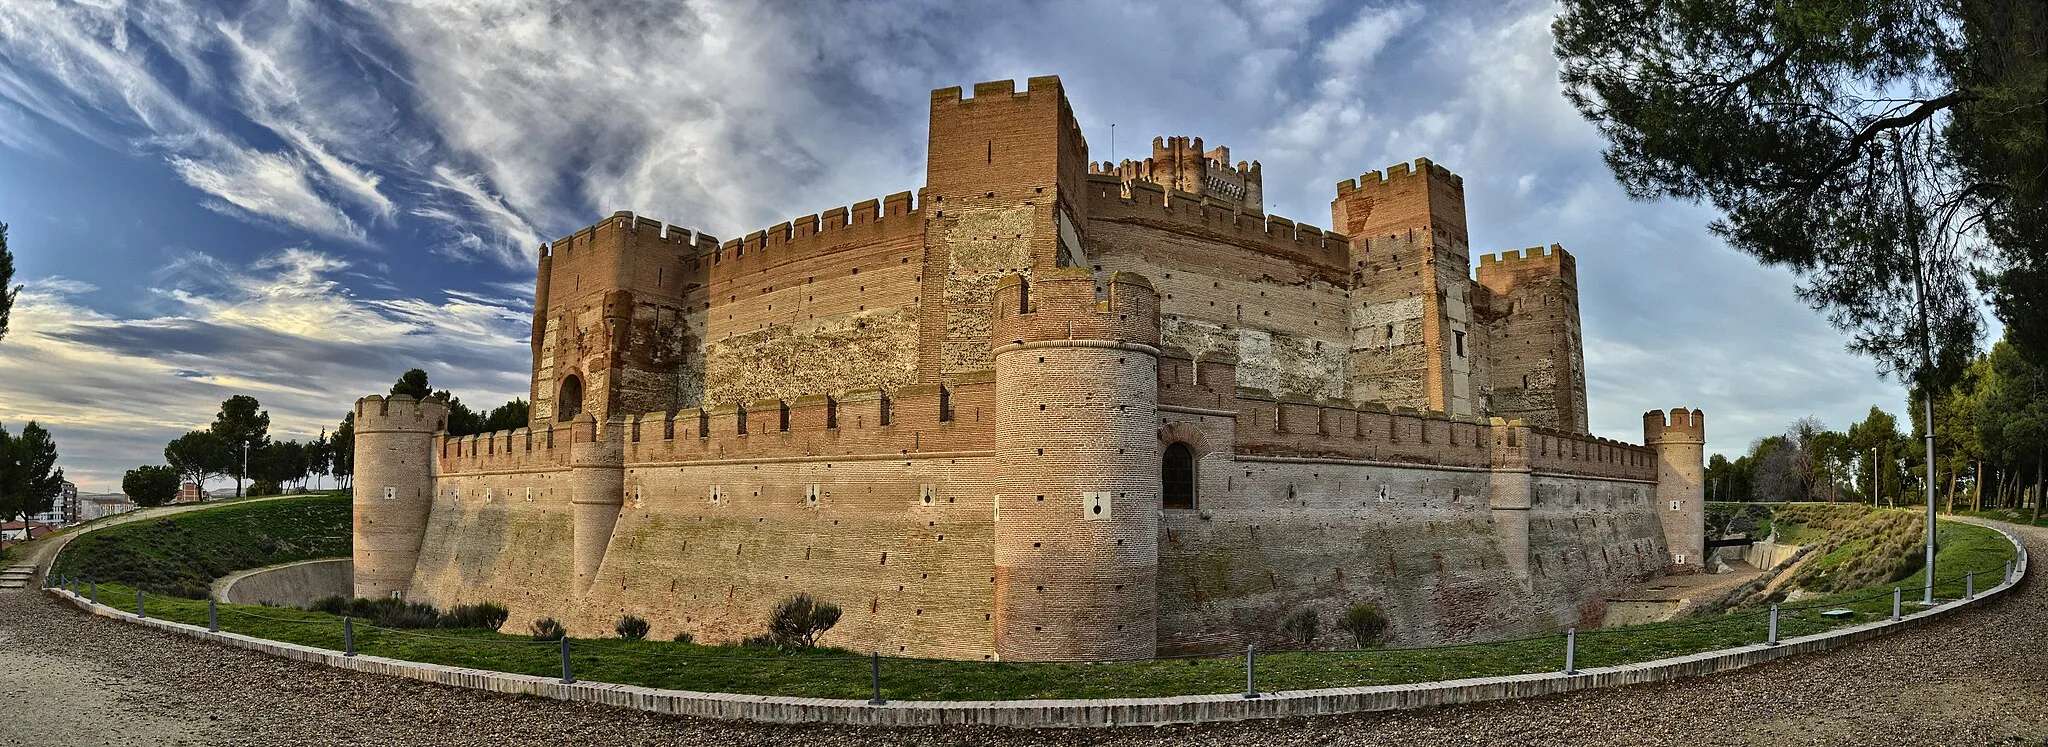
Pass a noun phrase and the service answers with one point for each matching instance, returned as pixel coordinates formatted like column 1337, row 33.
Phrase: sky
column 300, row 200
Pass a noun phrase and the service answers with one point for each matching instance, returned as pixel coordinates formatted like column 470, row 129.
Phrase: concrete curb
column 1085, row 713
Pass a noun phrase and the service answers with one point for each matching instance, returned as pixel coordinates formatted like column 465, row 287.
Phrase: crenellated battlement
column 1061, row 304
column 818, row 234
column 1399, row 172
column 1682, row 426
column 398, row 412
column 1553, row 255
column 646, row 230
column 1148, row 204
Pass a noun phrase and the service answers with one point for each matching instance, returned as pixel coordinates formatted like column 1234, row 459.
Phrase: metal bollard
column 2007, row 577
column 1251, row 682
column 95, row 588
column 348, row 636
column 138, row 604
column 1773, row 640
column 1969, row 585
column 212, row 616
column 1898, row 600
column 568, row 675
column 1571, row 651
column 875, row 677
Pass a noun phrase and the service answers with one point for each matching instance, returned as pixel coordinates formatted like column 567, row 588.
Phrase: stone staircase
column 16, row 577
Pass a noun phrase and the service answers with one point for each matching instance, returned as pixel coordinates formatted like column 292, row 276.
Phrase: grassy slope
column 841, row 674
column 181, row 554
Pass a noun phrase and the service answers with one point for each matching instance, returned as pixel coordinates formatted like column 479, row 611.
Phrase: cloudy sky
column 298, row 200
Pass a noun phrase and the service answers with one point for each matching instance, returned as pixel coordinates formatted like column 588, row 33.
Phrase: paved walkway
column 67, row 678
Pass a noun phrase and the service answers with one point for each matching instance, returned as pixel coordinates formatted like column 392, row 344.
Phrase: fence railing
column 879, row 678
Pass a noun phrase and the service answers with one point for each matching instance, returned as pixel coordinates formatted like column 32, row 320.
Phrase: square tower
column 1004, row 194
column 1537, row 365
column 618, row 322
column 1411, row 311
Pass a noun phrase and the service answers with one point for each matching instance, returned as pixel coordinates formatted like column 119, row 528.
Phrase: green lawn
column 182, row 553
column 841, row 674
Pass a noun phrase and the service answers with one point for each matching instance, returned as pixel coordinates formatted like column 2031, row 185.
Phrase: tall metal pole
column 1873, row 477
column 245, row 469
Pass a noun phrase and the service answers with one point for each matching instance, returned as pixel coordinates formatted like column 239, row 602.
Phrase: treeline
column 1990, row 441
column 237, row 444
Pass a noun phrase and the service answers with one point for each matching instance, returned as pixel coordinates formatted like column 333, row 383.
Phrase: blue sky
column 299, row 200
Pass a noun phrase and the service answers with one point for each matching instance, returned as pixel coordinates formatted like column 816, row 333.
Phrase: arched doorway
column 569, row 403
column 1177, row 477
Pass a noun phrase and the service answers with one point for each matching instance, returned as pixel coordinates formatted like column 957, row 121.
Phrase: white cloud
column 283, row 329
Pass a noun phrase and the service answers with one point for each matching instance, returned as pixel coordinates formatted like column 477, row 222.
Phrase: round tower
column 597, row 489
column 1681, row 482
column 1077, row 512
column 394, row 488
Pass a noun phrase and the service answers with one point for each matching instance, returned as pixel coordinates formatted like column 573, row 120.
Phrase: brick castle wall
column 946, row 413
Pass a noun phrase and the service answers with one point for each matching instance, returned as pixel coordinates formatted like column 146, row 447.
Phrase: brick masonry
column 946, row 411
column 1106, row 712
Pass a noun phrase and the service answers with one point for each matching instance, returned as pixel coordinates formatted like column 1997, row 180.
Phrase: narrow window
column 945, row 404
column 703, row 423
column 831, row 412
column 657, row 276
column 1390, row 333
column 885, row 408
column 1177, row 477
column 991, row 151
column 1459, row 339
column 742, row 419
column 785, row 417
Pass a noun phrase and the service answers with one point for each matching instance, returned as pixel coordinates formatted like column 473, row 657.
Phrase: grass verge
column 183, row 553
column 828, row 673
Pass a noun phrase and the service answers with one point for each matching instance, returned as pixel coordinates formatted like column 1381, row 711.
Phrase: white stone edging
column 1083, row 712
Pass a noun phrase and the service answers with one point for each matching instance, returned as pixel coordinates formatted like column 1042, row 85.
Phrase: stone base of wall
column 1083, row 713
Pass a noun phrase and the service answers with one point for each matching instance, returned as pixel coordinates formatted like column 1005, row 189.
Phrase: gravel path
column 73, row 679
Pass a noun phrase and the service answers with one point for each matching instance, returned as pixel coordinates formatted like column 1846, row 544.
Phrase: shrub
column 685, row 637
column 763, row 640
column 631, row 628
column 799, row 620
column 547, row 629
column 1365, row 622
column 488, row 616
column 333, row 604
column 1302, row 626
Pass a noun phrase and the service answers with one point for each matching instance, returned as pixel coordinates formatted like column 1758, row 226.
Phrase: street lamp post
column 245, row 470
column 1873, row 477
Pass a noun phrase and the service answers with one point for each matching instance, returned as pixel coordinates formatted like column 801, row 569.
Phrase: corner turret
column 394, row 488
column 1077, row 508
column 1680, row 442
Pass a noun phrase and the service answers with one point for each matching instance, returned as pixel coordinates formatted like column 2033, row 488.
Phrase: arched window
column 1177, row 477
column 570, row 403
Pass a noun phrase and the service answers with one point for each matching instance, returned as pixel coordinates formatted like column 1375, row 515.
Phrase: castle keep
column 1045, row 409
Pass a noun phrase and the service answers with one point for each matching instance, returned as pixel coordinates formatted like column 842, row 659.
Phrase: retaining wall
column 288, row 584
column 1086, row 713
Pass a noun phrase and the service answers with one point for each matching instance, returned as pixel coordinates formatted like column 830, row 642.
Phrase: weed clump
column 631, row 628
column 548, row 629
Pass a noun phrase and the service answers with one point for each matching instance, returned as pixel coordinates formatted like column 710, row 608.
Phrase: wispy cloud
column 282, row 329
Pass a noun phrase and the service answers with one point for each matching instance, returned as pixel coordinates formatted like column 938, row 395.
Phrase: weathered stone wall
column 1280, row 315
column 1271, row 537
column 1537, row 364
column 1411, row 301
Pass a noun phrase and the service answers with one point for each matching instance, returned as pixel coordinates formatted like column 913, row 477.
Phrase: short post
column 138, row 604
column 2007, row 577
column 1251, row 681
column 568, row 675
column 212, row 616
column 1898, row 599
column 875, row 678
column 1969, row 585
column 1773, row 640
column 348, row 636
column 94, row 587
column 1571, row 651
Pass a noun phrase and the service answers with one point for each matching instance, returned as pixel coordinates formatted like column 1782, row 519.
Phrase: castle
column 1048, row 410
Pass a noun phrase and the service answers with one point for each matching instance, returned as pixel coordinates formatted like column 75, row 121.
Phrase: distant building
column 190, row 492
column 19, row 531
column 99, row 505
